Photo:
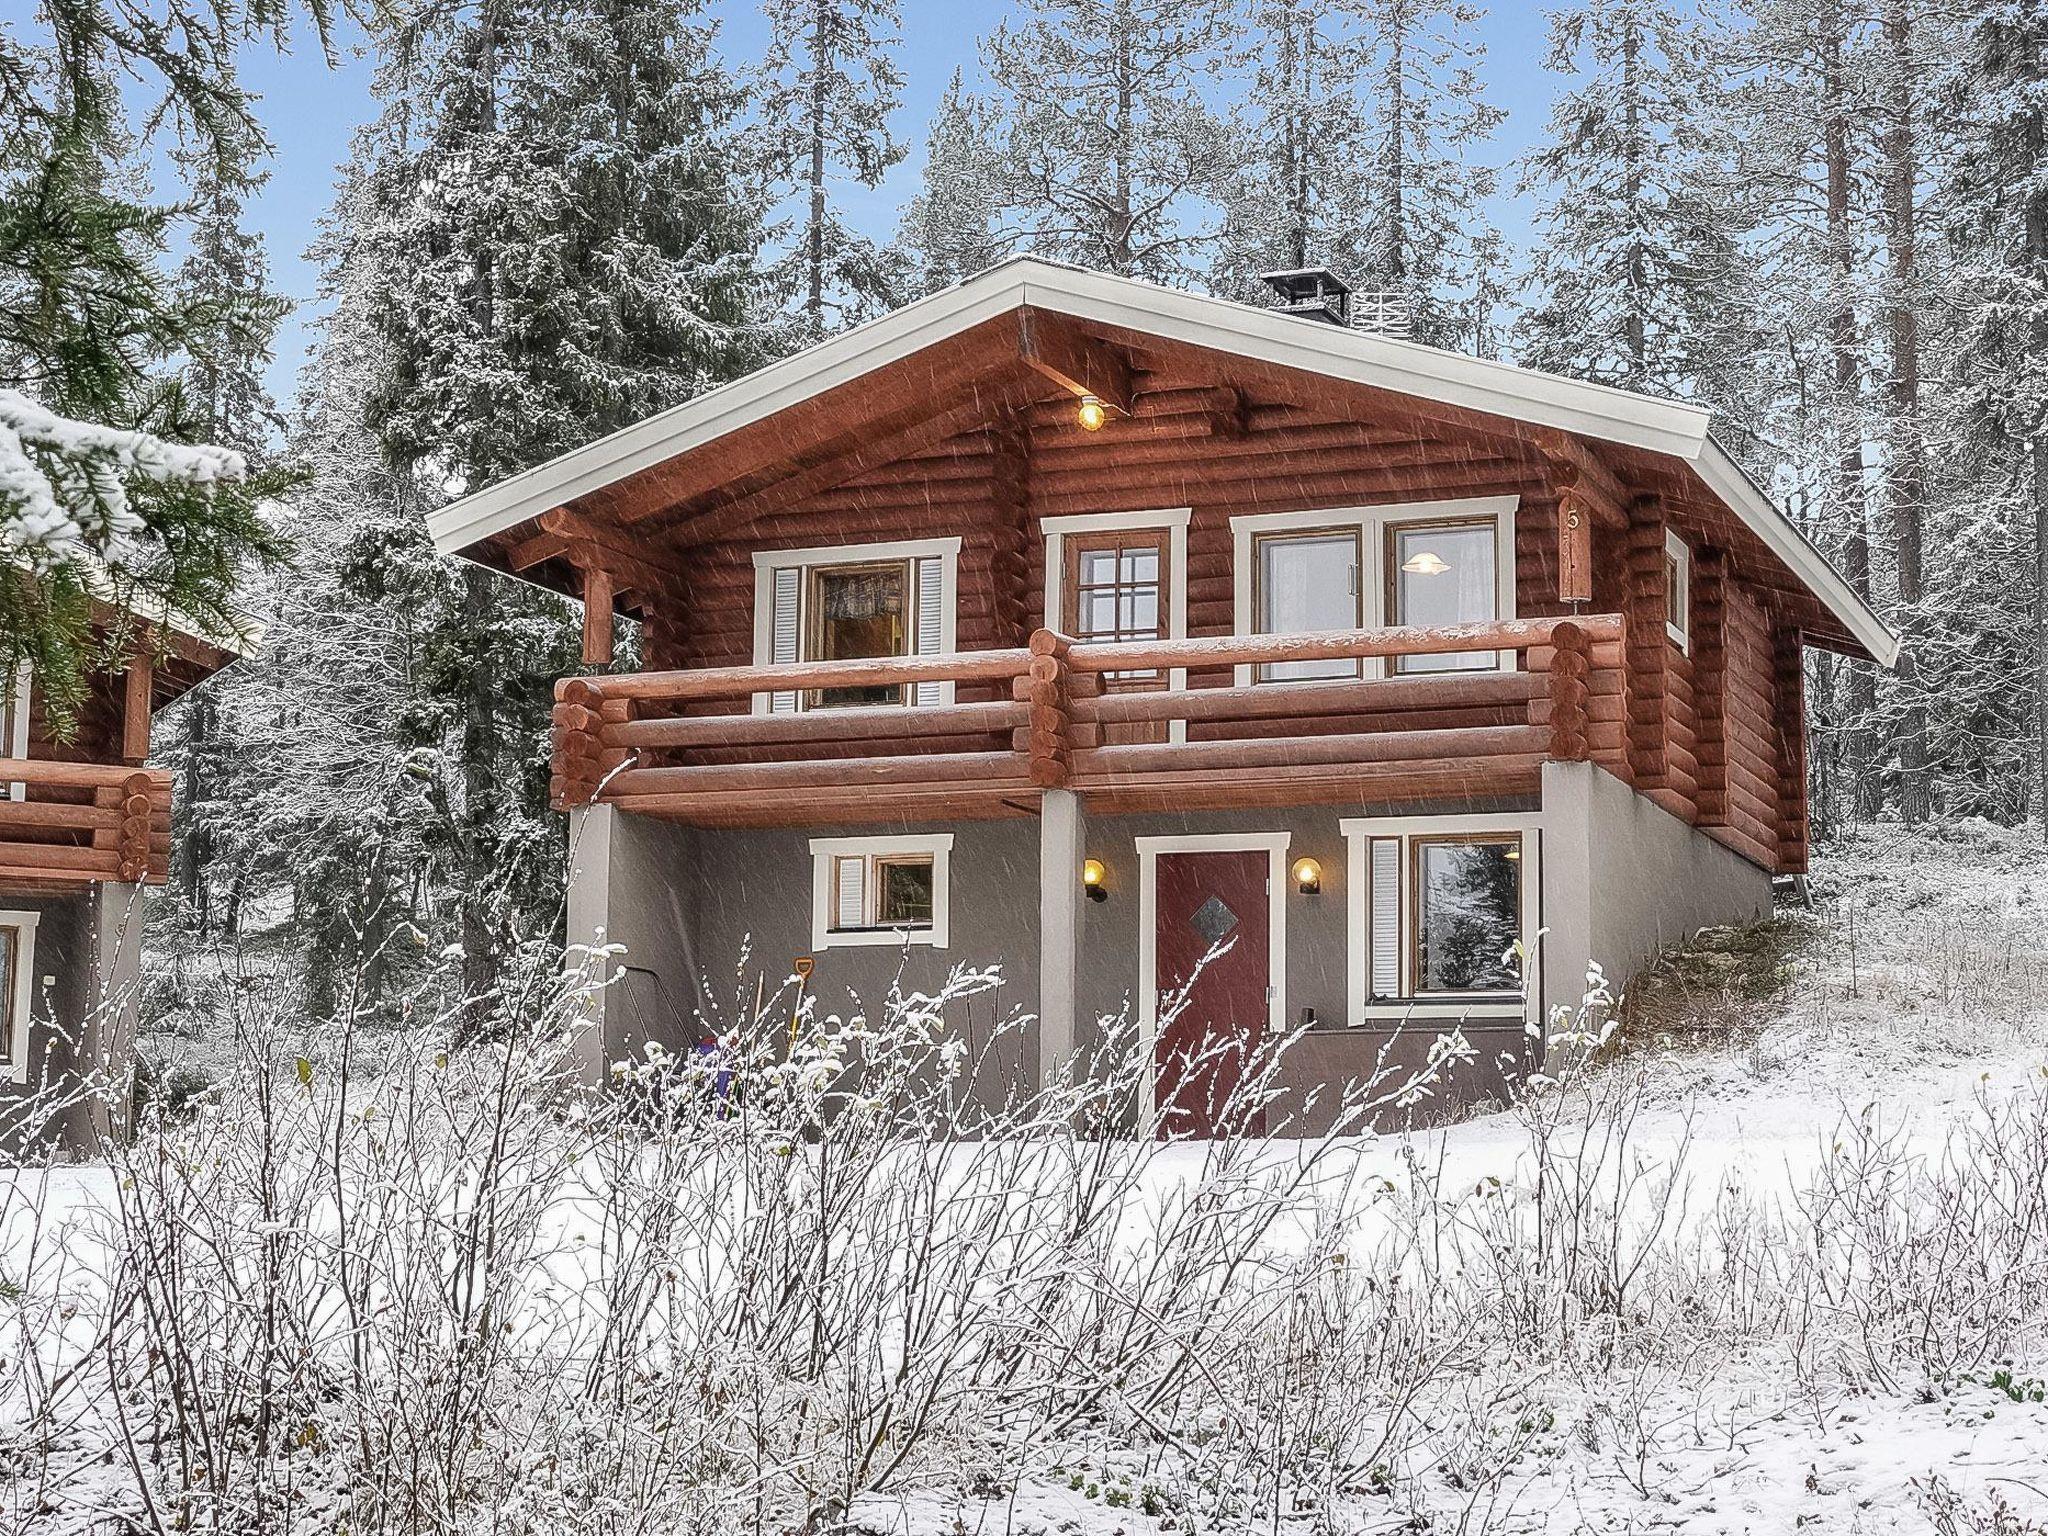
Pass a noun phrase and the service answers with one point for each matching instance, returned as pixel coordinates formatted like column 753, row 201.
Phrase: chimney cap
column 1315, row 293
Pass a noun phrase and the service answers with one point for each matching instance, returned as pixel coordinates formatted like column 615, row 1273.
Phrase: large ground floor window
column 1443, row 914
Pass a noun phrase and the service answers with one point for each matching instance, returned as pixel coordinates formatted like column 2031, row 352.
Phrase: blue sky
column 311, row 109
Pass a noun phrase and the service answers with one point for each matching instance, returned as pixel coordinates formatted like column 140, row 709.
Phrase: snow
column 1914, row 1026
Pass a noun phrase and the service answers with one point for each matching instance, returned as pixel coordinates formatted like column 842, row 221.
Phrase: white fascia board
column 1727, row 480
column 1497, row 389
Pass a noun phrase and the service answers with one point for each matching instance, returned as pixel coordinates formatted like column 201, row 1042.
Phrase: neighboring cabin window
column 1436, row 911
column 1442, row 573
column 17, row 966
column 1678, row 591
column 880, row 890
column 1308, row 581
column 854, row 603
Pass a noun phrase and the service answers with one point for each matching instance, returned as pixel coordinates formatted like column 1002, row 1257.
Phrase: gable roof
column 1665, row 427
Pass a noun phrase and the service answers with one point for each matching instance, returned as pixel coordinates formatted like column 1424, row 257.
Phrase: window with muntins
column 1115, row 585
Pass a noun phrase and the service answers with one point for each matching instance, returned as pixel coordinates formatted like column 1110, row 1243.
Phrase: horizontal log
column 1282, row 700
column 736, row 682
column 47, row 813
column 1330, row 645
column 1383, row 747
column 44, row 771
column 879, row 723
column 981, row 798
column 1430, row 778
column 917, row 768
column 58, row 856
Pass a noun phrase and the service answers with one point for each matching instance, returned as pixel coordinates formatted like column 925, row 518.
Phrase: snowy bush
column 803, row 1282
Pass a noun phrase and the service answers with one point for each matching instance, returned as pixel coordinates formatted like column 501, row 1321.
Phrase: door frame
column 1274, row 845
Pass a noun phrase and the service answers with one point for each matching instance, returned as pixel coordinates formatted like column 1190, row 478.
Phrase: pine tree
column 556, row 207
column 949, row 230
column 1638, row 280
column 1302, row 190
column 1108, row 154
column 831, row 85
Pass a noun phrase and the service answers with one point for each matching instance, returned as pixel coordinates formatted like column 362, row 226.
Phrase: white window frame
column 1680, row 554
column 768, row 561
column 1371, row 524
column 17, row 1022
column 19, row 699
column 1359, row 832
column 1274, row 845
column 824, row 850
column 1174, row 520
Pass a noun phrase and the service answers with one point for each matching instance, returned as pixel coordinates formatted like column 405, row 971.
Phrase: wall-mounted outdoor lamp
column 1091, row 413
column 1092, row 875
column 1308, row 877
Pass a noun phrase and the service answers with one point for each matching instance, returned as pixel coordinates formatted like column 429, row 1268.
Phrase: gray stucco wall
column 1625, row 878
column 708, row 917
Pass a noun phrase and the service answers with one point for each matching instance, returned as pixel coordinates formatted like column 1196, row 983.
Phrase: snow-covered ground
column 1792, row 1280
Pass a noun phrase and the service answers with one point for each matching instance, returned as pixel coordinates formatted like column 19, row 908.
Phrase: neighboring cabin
column 84, row 826
column 1075, row 623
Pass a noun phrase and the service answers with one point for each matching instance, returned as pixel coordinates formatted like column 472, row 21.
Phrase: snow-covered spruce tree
column 830, row 83
column 1430, row 238
column 1300, row 191
column 105, row 485
column 1638, row 278
column 1106, row 151
column 949, row 230
column 558, row 215
column 1995, row 208
column 1802, row 121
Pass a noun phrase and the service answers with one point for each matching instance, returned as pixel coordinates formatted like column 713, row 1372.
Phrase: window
column 1442, row 573
column 1308, row 581
column 1421, row 563
column 14, row 724
column 850, row 603
column 857, row 611
column 880, row 890
column 1678, row 591
column 1116, row 591
column 1437, row 905
column 17, row 967
column 1467, row 894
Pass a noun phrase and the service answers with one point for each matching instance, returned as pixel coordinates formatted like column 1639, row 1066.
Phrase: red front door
column 1214, row 905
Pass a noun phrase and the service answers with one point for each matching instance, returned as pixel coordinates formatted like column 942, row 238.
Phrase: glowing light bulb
column 1308, row 876
column 1091, row 414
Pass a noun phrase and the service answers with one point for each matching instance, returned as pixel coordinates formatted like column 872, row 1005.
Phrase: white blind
column 849, row 882
column 930, row 632
column 1386, row 917
column 783, row 630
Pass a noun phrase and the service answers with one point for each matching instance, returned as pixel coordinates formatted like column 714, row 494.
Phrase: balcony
column 68, row 825
column 1060, row 714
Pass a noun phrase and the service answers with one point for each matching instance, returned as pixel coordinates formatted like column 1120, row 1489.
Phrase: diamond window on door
column 1213, row 920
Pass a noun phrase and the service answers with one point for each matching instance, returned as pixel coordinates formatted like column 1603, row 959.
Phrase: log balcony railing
column 77, row 823
column 1060, row 714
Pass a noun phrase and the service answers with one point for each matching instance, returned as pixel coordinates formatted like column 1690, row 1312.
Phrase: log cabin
column 85, row 828
column 1088, row 626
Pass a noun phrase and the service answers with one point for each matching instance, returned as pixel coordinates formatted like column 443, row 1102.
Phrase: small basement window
column 880, row 890
column 1678, row 591
column 17, row 968
column 1437, row 905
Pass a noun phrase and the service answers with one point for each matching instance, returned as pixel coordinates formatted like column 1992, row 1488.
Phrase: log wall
column 1724, row 765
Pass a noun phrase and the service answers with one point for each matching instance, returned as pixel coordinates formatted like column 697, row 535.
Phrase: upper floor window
column 1422, row 563
column 1116, row 590
column 850, row 603
column 1678, row 591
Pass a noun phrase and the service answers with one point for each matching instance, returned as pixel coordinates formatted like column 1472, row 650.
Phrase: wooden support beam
column 1057, row 347
column 597, row 616
column 627, row 549
column 540, row 549
column 139, row 684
